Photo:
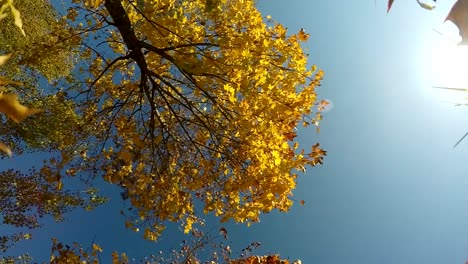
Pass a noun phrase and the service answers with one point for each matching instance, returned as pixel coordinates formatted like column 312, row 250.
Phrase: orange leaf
column 302, row 35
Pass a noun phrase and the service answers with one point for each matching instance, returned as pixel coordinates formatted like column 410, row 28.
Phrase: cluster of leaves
column 9, row 104
column 23, row 259
column 26, row 197
column 47, row 52
column 47, row 48
column 190, row 252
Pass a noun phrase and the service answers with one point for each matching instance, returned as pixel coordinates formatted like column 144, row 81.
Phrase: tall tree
column 196, row 100
column 178, row 101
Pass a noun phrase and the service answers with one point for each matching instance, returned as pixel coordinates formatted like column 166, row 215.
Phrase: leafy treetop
column 178, row 101
column 197, row 100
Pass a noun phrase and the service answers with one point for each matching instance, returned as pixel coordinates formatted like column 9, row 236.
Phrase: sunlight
column 450, row 65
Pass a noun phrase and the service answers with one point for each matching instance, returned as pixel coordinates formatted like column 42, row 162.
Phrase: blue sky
column 392, row 189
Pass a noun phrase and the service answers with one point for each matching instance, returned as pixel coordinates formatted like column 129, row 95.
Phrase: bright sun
column 450, row 65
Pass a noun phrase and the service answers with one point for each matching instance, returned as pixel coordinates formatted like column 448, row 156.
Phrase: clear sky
column 392, row 188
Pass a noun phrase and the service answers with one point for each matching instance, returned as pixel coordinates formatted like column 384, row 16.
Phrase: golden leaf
column 17, row 17
column 97, row 248
column 5, row 149
column 10, row 106
column 4, row 58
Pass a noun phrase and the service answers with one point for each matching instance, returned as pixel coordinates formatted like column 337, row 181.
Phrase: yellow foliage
column 9, row 104
column 199, row 100
column 16, row 14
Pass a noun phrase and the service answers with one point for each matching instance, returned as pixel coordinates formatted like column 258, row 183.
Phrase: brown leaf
column 10, row 106
column 223, row 232
column 459, row 16
column 390, row 3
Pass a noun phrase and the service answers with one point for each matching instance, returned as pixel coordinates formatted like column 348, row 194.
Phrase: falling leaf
column 223, row 232
column 390, row 3
column 461, row 139
column 5, row 149
column 459, row 16
column 422, row 4
column 425, row 6
column 4, row 58
column 10, row 106
column 17, row 17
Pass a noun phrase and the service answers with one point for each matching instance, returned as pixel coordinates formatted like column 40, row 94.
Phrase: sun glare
column 450, row 65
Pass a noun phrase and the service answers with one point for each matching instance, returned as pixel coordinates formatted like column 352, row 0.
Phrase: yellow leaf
column 96, row 3
column 10, row 106
column 4, row 58
column 426, row 6
column 97, row 248
column 17, row 16
column 2, row 9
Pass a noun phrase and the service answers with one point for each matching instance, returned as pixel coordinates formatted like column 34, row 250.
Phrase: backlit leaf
column 11, row 107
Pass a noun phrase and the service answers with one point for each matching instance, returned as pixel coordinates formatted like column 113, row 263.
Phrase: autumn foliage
column 190, row 252
column 189, row 100
column 188, row 106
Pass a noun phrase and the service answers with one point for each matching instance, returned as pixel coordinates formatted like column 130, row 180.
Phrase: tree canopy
column 188, row 106
column 178, row 101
